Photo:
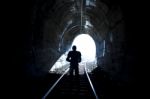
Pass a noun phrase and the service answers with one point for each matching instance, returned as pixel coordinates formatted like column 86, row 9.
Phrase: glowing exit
column 86, row 45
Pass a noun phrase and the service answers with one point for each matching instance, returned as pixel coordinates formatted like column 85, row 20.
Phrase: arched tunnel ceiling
column 70, row 10
column 63, row 11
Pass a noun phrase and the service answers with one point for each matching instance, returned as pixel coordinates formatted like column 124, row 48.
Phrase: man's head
column 74, row 48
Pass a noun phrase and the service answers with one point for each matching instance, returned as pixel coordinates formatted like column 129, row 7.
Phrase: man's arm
column 68, row 57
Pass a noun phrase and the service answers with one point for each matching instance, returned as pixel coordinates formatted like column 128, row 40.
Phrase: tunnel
column 51, row 26
column 55, row 26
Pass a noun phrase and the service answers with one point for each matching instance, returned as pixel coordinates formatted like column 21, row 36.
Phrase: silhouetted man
column 74, row 57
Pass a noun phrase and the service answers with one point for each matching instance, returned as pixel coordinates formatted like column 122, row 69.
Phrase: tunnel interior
column 54, row 28
column 49, row 27
column 88, row 56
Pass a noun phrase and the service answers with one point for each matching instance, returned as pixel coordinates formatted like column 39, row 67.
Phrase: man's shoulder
column 74, row 52
column 78, row 52
column 70, row 52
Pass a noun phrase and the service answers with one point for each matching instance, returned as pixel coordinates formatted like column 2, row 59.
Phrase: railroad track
column 67, row 87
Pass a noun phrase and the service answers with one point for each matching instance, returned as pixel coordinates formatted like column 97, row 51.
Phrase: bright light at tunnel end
column 86, row 45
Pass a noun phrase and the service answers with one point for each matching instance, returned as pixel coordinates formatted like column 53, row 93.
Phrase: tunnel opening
column 86, row 45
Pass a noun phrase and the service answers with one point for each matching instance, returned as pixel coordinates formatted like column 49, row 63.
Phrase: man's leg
column 71, row 71
column 77, row 71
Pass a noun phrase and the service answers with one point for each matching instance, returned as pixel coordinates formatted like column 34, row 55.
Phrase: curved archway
column 86, row 45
